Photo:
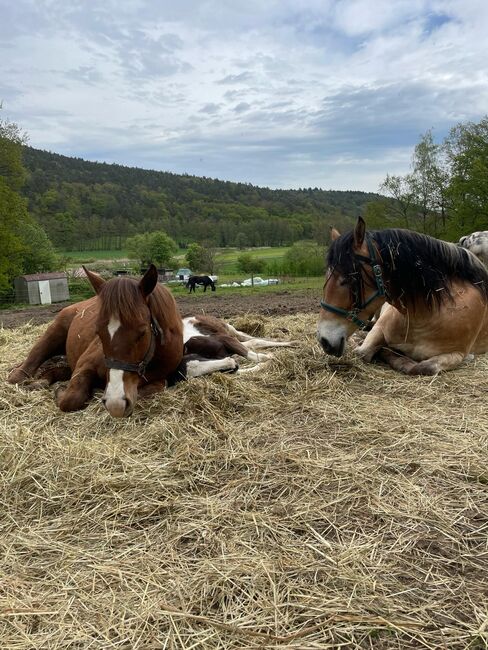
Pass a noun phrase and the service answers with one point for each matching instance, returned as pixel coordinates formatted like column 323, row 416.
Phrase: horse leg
column 257, row 343
column 397, row 360
column 438, row 363
column 79, row 390
column 372, row 344
column 236, row 347
column 151, row 389
column 51, row 343
column 89, row 370
column 198, row 368
column 50, row 375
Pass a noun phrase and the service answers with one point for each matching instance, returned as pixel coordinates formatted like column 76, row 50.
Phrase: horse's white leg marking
column 113, row 326
column 258, row 357
column 253, row 368
column 257, row 344
column 189, row 329
column 198, row 368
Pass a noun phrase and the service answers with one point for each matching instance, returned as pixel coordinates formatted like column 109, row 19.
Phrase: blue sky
column 283, row 93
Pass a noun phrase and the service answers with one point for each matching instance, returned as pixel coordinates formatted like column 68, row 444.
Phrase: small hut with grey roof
column 41, row 288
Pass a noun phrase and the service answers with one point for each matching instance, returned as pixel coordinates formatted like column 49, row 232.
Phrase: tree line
column 88, row 205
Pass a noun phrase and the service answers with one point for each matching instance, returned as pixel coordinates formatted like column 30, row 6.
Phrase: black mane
column 416, row 268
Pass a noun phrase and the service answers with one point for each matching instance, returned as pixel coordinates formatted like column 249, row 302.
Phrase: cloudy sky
column 280, row 93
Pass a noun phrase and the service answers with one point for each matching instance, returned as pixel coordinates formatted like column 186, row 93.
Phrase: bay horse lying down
column 202, row 280
column 129, row 339
column 433, row 297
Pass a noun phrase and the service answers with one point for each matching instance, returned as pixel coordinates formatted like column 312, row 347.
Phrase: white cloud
column 324, row 93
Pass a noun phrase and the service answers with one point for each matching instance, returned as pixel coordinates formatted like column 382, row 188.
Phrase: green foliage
column 304, row 259
column 200, row 259
column 467, row 149
column 446, row 193
column 24, row 246
column 153, row 247
column 250, row 265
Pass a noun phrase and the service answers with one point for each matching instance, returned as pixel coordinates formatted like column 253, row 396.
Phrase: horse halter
column 352, row 315
column 139, row 368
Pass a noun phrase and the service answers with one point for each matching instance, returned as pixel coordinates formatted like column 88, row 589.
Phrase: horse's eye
column 343, row 282
column 141, row 333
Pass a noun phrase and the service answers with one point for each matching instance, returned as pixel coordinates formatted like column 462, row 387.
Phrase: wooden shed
column 41, row 288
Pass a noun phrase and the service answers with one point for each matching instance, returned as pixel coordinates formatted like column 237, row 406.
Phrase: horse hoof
column 232, row 366
column 426, row 367
column 17, row 376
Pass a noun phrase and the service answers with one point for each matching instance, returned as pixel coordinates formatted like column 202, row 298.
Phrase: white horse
column 477, row 243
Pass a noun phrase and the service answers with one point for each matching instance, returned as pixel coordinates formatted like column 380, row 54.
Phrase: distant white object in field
column 259, row 282
column 477, row 243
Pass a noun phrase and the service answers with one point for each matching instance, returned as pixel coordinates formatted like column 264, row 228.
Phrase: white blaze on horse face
column 113, row 326
column 190, row 330
column 114, row 391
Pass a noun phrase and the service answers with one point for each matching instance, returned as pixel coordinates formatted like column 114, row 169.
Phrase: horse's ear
column 149, row 281
column 359, row 232
column 95, row 280
column 334, row 233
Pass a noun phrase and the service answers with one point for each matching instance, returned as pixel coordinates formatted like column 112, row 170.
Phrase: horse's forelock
column 122, row 299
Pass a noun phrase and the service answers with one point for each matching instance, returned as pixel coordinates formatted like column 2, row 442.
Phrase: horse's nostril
column 326, row 346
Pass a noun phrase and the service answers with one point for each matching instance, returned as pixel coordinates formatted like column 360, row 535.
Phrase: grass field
column 226, row 258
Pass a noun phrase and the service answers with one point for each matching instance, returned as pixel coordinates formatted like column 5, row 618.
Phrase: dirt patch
column 281, row 303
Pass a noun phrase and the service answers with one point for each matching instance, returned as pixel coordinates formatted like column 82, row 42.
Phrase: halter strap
column 352, row 314
column 139, row 368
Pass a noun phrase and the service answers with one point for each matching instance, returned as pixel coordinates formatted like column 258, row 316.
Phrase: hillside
column 89, row 205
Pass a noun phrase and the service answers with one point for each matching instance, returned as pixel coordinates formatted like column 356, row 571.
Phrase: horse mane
column 416, row 268
column 122, row 297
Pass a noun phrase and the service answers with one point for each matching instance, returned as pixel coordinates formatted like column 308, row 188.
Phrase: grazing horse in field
column 433, row 298
column 477, row 243
column 202, row 280
column 129, row 339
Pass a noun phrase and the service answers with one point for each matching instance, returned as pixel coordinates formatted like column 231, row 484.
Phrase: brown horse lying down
column 130, row 340
column 436, row 293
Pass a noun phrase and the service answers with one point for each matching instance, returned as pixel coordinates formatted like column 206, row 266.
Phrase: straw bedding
column 317, row 503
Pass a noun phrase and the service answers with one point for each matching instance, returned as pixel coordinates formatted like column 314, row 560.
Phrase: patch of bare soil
column 281, row 303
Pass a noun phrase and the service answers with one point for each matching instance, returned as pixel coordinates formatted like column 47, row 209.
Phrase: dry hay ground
column 315, row 504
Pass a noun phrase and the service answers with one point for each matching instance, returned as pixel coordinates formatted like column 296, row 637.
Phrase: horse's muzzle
column 118, row 408
column 337, row 349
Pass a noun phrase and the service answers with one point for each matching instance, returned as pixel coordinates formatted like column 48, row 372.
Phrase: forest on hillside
column 90, row 205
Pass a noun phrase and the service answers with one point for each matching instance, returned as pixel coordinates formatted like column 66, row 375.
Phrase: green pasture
column 85, row 257
column 226, row 258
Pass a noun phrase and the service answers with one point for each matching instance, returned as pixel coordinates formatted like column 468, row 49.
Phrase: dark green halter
column 352, row 315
